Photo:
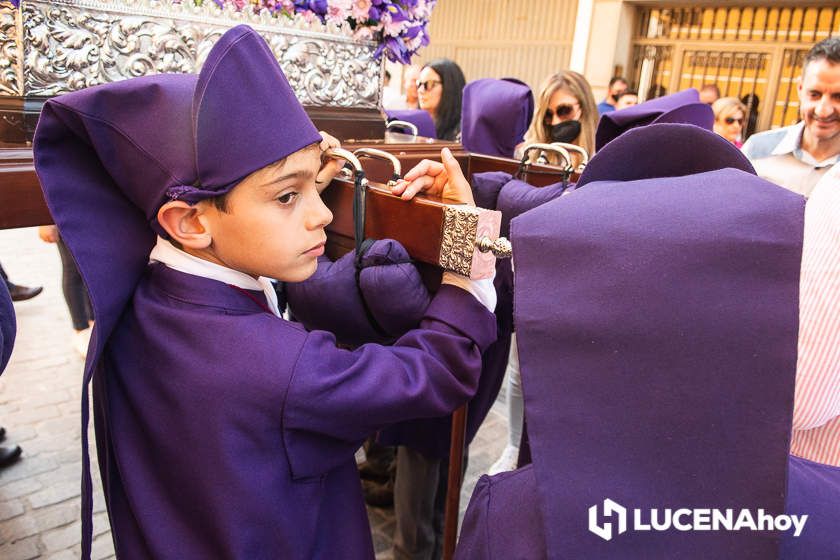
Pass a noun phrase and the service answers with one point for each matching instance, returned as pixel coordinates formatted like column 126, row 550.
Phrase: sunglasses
column 427, row 85
column 733, row 120
column 562, row 111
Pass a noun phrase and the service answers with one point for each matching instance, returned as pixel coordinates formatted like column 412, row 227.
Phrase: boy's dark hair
column 627, row 92
column 827, row 49
column 616, row 79
column 448, row 121
column 220, row 202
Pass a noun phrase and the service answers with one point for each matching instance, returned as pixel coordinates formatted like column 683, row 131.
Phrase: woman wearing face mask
column 729, row 119
column 566, row 112
column 439, row 90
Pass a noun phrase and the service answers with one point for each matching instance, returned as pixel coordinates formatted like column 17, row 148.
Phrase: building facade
column 751, row 50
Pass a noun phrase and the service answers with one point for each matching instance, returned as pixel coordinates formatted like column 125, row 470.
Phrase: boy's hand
column 438, row 179
column 329, row 166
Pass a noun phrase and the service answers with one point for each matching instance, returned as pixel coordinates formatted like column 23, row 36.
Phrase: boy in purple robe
column 223, row 430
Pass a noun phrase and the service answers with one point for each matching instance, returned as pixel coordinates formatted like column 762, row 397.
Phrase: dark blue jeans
column 75, row 292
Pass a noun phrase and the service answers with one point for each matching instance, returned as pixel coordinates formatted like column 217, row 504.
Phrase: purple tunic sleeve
column 336, row 397
column 7, row 326
column 503, row 519
column 813, row 490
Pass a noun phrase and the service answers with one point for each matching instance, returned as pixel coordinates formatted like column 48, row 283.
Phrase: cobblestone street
column 39, row 407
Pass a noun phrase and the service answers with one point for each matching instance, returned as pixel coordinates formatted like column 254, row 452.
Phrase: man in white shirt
column 796, row 157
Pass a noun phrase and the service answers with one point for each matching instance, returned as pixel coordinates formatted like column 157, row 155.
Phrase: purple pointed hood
column 495, row 115
column 109, row 156
column 674, row 154
column 681, row 107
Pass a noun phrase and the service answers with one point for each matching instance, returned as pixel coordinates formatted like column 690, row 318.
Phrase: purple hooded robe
column 658, row 354
column 222, row 430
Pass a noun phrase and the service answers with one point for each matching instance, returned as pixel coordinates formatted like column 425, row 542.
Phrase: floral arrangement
column 398, row 25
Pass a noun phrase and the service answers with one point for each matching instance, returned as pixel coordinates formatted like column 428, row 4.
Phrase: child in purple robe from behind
column 223, row 430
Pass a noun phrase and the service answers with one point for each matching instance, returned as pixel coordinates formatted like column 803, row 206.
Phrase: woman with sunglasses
column 439, row 91
column 566, row 112
column 729, row 119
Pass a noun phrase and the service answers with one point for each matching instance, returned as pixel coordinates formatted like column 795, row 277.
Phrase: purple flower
column 318, row 6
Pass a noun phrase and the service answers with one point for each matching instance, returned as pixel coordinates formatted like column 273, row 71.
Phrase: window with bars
column 750, row 23
column 754, row 53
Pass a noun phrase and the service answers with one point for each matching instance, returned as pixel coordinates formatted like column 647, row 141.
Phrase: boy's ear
column 183, row 224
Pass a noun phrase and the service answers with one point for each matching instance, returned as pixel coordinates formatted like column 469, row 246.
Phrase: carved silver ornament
column 54, row 47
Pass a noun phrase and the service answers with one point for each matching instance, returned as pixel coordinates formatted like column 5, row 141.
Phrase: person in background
column 656, row 90
column 729, row 119
column 410, row 76
column 627, row 99
column 18, row 292
column 798, row 156
column 566, row 112
column 75, row 293
column 617, row 86
column 709, row 93
column 8, row 327
column 440, row 88
column 399, row 100
column 390, row 97
column 751, row 102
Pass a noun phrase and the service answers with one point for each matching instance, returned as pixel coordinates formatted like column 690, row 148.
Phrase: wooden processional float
column 337, row 78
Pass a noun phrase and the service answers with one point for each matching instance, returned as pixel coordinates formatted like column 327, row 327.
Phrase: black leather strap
column 362, row 244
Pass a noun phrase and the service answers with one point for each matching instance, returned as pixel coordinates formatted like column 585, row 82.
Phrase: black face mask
column 565, row 131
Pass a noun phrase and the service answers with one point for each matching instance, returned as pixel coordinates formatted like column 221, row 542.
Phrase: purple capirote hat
column 657, row 324
column 681, row 107
column 495, row 115
column 109, row 156
column 418, row 117
column 7, row 326
column 663, row 150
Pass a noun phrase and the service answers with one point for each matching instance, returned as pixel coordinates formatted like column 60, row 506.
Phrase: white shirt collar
column 166, row 253
column 791, row 143
column 792, row 140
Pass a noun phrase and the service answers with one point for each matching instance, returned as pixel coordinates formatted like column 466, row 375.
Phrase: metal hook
column 584, row 155
column 402, row 124
column 381, row 154
column 350, row 158
column 560, row 150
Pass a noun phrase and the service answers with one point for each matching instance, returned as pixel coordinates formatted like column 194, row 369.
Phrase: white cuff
column 483, row 290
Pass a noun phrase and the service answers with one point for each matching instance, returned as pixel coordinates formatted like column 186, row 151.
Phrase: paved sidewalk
column 39, row 407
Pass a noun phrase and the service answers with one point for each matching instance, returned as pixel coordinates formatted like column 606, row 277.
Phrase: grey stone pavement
column 40, row 393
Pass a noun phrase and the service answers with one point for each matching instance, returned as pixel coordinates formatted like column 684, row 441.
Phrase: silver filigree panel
column 10, row 68
column 72, row 44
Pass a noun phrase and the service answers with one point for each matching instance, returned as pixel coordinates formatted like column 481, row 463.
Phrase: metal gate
column 754, row 53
